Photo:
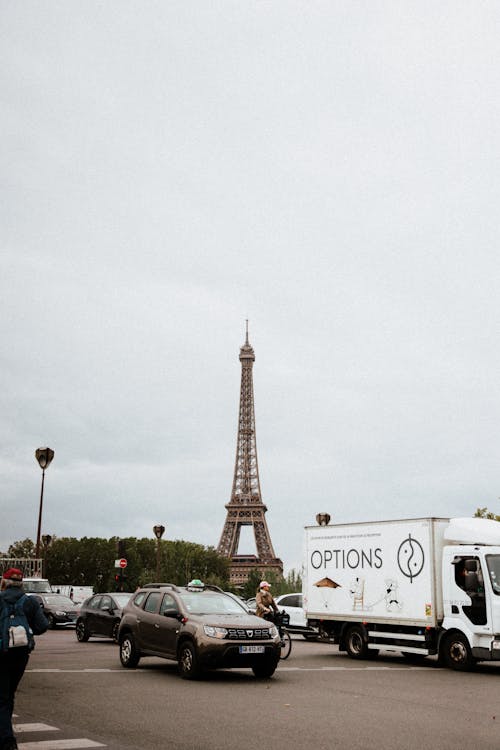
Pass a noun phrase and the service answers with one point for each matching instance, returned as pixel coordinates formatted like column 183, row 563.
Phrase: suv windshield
column 210, row 603
column 493, row 563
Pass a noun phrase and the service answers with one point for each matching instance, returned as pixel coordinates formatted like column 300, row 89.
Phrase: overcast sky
column 328, row 170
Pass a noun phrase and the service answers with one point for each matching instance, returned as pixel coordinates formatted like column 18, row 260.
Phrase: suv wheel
column 129, row 653
column 265, row 668
column 188, row 661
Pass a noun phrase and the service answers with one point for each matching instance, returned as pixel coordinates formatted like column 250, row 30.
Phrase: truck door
column 469, row 579
column 493, row 568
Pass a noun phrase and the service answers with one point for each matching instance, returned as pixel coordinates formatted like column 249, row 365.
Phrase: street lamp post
column 158, row 532
column 44, row 457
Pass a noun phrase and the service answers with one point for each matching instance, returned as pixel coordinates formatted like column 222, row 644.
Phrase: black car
column 100, row 615
column 58, row 609
column 200, row 627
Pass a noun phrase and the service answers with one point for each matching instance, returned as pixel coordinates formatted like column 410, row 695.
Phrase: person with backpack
column 21, row 617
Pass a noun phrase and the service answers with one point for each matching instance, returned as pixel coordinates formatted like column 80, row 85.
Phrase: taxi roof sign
column 195, row 585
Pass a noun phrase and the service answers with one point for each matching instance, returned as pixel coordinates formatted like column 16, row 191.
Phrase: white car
column 292, row 604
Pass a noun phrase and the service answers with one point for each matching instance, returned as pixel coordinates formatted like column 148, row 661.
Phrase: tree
column 91, row 562
column 252, row 584
column 485, row 513
column 26, row 548
column 292, row 583
column 81, row 562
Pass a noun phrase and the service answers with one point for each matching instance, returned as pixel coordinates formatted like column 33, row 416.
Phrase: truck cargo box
column 382, row 571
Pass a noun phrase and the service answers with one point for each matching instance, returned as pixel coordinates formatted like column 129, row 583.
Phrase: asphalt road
column 318, row 699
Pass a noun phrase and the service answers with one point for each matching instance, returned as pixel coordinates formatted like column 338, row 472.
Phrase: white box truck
column 420, row 586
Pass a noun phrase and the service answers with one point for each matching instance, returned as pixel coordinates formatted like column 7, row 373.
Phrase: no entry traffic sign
column 121, row 563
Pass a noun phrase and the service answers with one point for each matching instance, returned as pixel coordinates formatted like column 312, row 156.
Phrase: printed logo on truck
column 389, row 596
column 411, row 558
column 351, row 558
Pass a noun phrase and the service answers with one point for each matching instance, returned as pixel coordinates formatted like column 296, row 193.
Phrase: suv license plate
column 252, row 649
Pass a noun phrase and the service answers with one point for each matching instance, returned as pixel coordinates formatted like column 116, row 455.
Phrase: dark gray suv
column 200, row 627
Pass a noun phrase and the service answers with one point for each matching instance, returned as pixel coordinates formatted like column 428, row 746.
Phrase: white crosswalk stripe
column 79, row 743
column 58, row 744
column 34, row 728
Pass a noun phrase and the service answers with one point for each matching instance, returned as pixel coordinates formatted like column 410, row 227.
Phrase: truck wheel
column 456, row 652
column 355, row 643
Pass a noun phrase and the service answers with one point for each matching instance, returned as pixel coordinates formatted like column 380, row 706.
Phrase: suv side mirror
column 172, row 612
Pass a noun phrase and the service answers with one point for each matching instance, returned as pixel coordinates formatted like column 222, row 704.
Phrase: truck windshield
column 493, row 563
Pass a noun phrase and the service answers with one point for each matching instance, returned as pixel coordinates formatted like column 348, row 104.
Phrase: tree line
column 90, row 561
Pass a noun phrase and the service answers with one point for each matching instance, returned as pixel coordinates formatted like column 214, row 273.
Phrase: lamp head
column 323, row 519
column 158, row 531
column 44, row 457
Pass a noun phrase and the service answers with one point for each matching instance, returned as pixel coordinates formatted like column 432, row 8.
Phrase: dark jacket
column 34, row 613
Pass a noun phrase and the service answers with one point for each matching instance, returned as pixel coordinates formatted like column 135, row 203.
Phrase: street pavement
column 77, row 695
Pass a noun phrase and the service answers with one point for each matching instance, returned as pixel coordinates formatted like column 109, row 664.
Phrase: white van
column 36, row 586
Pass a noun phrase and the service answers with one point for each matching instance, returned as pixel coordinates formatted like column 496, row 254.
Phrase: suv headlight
column 60, row 613
column 273, row 631
column 214, row 632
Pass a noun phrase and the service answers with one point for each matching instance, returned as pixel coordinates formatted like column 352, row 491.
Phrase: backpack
column 15, row 630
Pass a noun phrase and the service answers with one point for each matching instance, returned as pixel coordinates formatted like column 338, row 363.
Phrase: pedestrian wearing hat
column 264, row 602
column 13, row 661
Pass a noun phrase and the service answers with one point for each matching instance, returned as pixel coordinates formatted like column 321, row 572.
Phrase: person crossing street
column 14, row 657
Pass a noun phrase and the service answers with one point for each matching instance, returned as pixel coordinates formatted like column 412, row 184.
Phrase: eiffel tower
column 246, row 507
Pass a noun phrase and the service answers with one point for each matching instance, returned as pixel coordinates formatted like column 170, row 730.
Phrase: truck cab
column 471, row 593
